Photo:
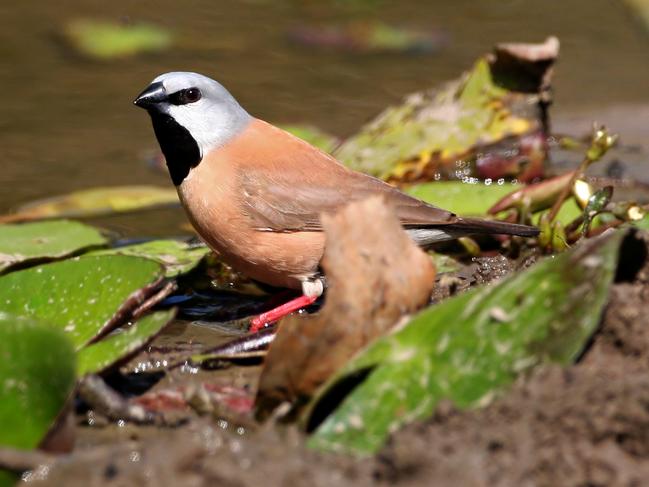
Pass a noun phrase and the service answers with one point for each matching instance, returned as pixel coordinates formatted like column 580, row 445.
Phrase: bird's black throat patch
column 178, row 146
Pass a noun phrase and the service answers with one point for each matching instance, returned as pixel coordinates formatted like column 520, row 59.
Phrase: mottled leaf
column 105, row 40
column 37, row 375
column 470, row 346
column 489, row 124
column 176, row 256
column 80, row 296
column 23, row 243
column 95, row 202
column 122, row 343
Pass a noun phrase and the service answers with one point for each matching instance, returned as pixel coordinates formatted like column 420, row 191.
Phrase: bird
column 255, row 193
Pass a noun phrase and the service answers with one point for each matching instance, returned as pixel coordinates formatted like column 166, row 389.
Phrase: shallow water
column 68, row 123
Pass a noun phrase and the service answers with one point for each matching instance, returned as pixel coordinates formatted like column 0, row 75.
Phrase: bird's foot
column 260, row 321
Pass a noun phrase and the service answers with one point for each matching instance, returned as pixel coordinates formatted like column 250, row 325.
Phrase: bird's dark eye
column 183, row 97
column 191, row 95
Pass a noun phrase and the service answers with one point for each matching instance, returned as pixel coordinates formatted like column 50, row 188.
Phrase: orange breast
column 211, row 196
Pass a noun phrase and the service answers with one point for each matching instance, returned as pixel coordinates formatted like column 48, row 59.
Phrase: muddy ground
column 586, row 425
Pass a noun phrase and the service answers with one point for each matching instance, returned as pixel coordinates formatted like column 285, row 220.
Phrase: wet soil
column 585, row 425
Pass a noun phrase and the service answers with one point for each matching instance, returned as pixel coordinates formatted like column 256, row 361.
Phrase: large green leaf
column 27, row 242
column 470, row 199
column 470, row 346
column 94, row 202
column 79, row 296
column 177, row 257
column 122, row 343
column 37, row 375
column 462, row 198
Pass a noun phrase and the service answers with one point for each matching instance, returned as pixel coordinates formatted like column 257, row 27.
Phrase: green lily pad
column 109, row 40
column 79, row 296
column 95, row 202
column 177, row 257
column 313, row 136
column 122, row 343
column 474, row 199
column 468, row 199
column 37, row 375
column 471, row 346
column 20, row 244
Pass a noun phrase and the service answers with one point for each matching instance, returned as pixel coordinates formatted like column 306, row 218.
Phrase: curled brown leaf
column 376, row 275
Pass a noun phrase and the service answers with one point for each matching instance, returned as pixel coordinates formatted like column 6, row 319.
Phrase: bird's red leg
column 259, row 321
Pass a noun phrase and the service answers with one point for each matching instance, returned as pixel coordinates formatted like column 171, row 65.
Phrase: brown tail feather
column 468, row 226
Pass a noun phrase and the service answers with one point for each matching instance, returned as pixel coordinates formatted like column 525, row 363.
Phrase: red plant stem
column 567, row 188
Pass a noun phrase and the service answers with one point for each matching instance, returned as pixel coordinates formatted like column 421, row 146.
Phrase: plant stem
column 568, row 187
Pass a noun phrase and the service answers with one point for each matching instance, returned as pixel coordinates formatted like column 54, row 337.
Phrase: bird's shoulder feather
column 288, row 183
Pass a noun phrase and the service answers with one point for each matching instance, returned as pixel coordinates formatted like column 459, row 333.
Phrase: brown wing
column 290, row 201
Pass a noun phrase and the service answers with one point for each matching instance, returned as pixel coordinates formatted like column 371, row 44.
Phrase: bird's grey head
column 192, row 115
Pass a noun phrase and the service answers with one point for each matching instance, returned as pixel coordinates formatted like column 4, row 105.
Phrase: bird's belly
column 278, row 259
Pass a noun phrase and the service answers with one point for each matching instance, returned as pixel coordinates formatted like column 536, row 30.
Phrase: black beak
column 154, row 93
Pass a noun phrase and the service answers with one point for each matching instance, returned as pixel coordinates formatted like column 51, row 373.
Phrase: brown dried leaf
column 376, row 274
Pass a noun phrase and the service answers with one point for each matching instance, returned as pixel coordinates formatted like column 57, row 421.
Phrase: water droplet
column 235, row 446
